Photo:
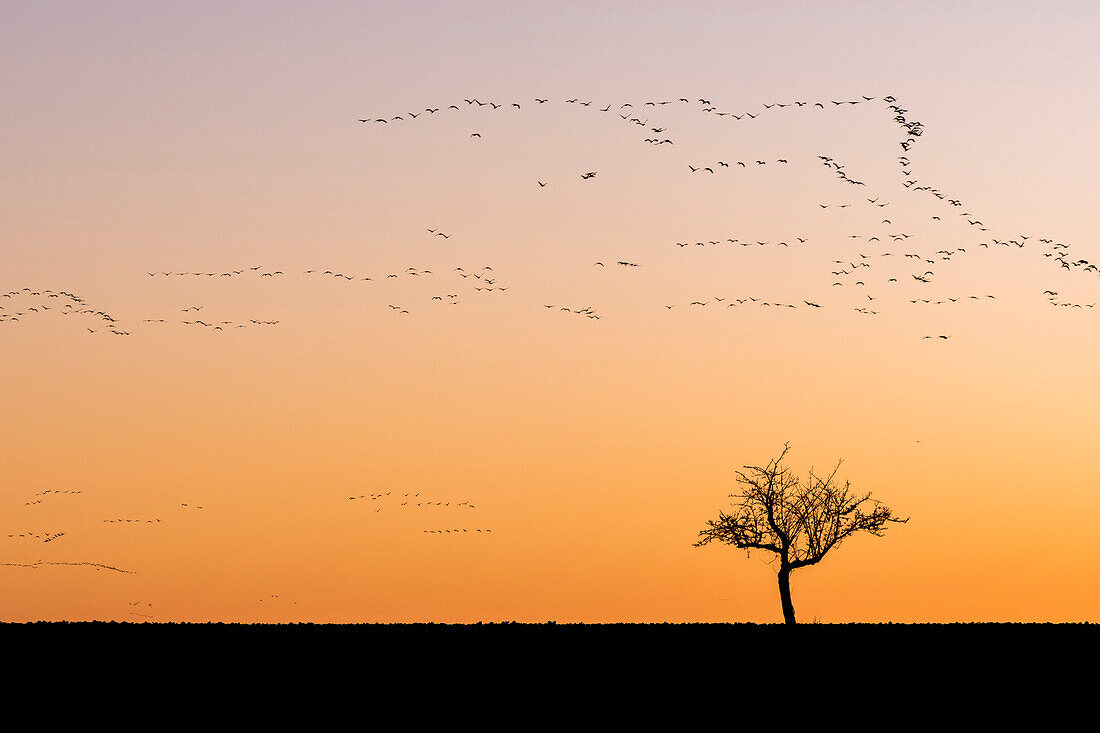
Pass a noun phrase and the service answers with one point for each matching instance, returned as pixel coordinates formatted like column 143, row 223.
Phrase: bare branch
column 799, row 522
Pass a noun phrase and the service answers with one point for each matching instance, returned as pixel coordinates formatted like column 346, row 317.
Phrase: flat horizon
column 418, row 310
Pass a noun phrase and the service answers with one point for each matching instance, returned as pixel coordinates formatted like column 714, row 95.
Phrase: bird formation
column 41, row 537
column 723, row 164
column 257, row 270
column 732, row 241
column 657, row 132
column 455, row 531
column 1052, row 298
column 488, row 284
column 60, row 302
column 830, row 163
column 750, row 301
column 221, row 325
column 414, row 501
column 646, row 115
column 40, row 497
column 94, row 565
column 586, row 312
column 627, row 111
column 638, row 115
column 48, row 493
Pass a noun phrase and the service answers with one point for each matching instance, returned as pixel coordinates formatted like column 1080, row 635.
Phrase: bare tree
column 797, row 521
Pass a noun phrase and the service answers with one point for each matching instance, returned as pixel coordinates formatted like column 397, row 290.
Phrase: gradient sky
column 214, row 137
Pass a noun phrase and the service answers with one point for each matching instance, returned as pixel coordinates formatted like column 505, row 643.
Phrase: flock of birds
column 413, row 500
column 93, row 565
column 893, row 262
column 28, row 302
column 46, row 495
column 417, row 501
column 462, row 530
column 41, row 537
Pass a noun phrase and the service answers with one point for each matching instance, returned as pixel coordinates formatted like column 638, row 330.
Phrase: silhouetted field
column 986, row 639
column 553, row 627
column 932, row 663
column 564, row 631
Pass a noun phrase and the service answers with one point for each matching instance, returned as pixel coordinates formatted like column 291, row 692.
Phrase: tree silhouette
column 797, row 521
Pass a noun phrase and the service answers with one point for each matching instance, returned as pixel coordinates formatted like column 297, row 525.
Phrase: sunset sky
column 211, row 137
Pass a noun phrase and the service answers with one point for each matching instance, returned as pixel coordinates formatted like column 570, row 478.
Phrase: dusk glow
column 312, row 312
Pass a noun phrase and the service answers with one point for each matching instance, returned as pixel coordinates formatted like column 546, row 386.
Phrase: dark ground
column 853, row 644
column 875, row 673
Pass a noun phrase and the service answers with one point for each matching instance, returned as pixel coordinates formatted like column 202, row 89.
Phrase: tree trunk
column 785, row 594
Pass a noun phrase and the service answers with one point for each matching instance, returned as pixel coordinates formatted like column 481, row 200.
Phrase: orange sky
column 189, row 138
